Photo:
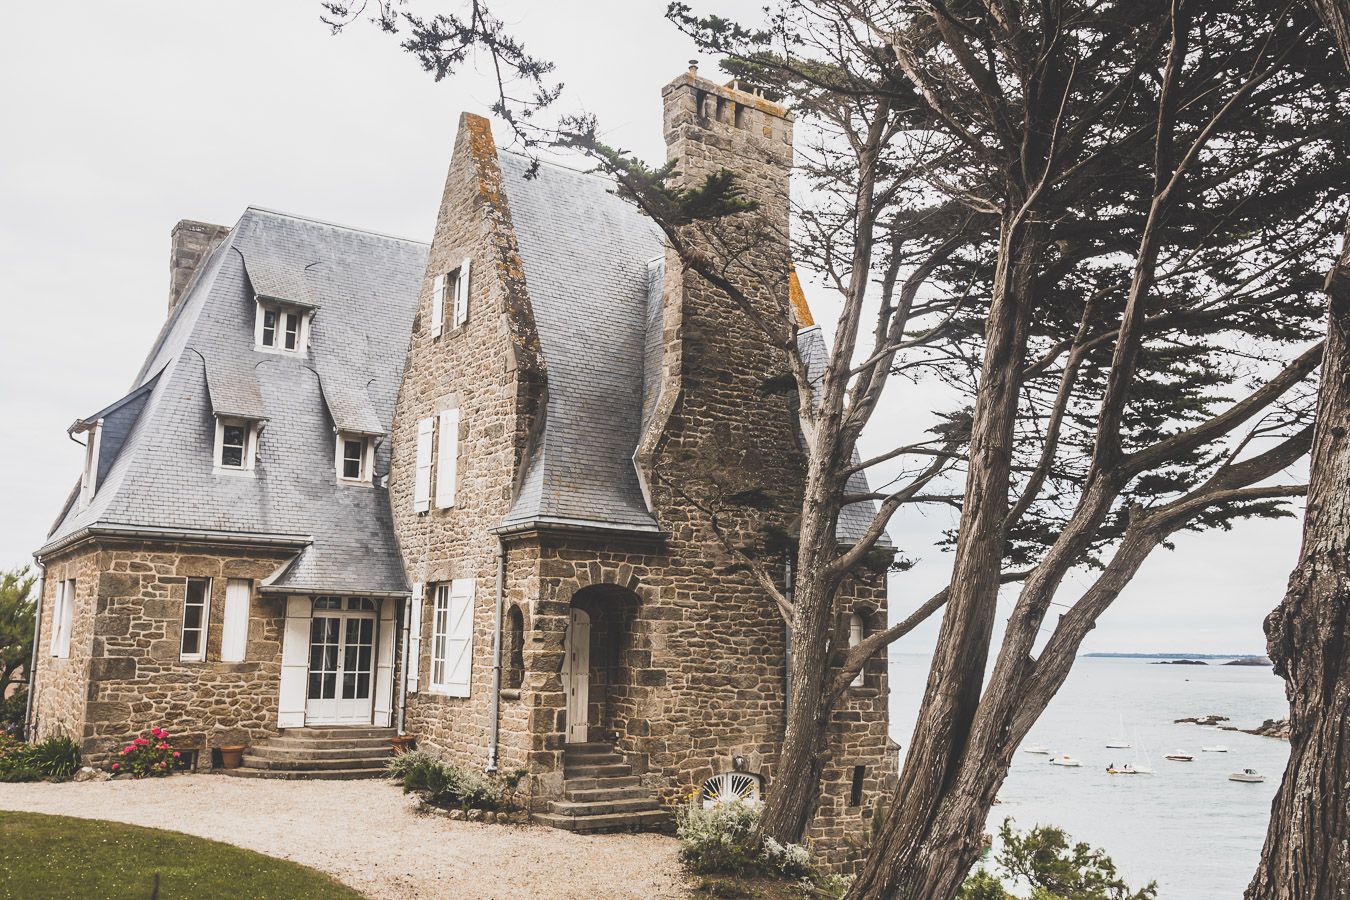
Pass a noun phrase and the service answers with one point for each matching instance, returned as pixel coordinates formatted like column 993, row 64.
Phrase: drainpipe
column 31, row 674
column 787, row 640
column 495, row 701
column 403, row 669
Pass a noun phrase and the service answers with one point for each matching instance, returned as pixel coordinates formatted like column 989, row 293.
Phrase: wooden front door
column 577, row 674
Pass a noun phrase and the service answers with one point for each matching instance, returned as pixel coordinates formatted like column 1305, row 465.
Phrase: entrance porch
column 337, row 662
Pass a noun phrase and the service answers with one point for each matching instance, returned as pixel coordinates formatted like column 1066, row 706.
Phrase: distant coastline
column 1243, row 656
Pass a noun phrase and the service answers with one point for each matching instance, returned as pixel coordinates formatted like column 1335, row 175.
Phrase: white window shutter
column 462, row 295
column 234, row 633
column 414, row 636
column 459, row 643
column 294, row 663
column 422, row 482
column 437, row 305
column 384, row 666
column 447, row 459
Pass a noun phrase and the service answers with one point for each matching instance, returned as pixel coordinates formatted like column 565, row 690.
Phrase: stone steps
column 320, row 753
column 601, row 794
column 657, row 820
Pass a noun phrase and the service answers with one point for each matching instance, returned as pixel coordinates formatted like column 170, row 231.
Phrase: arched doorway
column 597, row 671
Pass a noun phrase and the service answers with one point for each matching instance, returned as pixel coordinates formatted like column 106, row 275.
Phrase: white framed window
column 281, row 328
column 236, row 444
column 63, row 617
column 89, row 477
column 196, row 615
column 447, row 458
column 451, row 290
column 234, row 628
column 857, row 630
column 452, row 638
column 355, row 457
column 426, row 429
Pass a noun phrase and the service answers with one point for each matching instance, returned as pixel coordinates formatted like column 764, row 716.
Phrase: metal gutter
column 187, row 535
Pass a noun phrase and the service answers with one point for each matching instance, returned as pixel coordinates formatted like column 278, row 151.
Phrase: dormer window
column 355, row 454
column 236, row 444
column 281, row 328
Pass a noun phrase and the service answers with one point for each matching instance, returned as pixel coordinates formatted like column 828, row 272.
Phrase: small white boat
column 1180, row 756
column 1043, row 751
column 1217, row 748
column 1118, row 745
column 1065, row 760
column 1251, row 776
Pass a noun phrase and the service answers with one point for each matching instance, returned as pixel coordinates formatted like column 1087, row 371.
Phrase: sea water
column 1187, row 827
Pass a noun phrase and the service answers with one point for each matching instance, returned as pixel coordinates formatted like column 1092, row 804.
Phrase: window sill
column 236, row 473
column 355, row 482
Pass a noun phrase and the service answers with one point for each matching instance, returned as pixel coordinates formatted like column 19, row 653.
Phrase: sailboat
column 1147, row 768
column 1119, row 743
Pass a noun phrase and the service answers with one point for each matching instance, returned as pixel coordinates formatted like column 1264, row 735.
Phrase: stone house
column 479, row 493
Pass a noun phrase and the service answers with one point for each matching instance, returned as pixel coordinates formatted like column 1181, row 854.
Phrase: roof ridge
column 590, row 173
column 325, row 222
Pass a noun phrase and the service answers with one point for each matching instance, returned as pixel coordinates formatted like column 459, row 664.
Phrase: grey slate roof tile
column 585, row 253
column 366, row 288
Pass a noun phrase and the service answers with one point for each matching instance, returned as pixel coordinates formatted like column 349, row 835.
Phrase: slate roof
column 160, row 475
column 586, row 254
column 594, row 268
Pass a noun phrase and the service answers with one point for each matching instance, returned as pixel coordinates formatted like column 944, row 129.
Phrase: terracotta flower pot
column 232, row 756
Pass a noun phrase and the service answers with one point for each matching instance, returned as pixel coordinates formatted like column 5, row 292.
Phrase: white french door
column 341, row 664
column 577, row 675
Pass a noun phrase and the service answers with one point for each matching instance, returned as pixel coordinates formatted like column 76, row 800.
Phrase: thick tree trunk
column 791, row 799
column 1307, row 850
column 930, row 822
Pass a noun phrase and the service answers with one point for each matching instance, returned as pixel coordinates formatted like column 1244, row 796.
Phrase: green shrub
column 451, row 787
column 725, row 840
column 54, row 759
column 1055, row 868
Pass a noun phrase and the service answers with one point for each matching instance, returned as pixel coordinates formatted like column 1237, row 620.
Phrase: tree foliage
column 18, row 606
column 1045, row 860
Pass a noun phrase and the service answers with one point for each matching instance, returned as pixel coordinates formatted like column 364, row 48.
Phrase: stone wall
column 128, row 676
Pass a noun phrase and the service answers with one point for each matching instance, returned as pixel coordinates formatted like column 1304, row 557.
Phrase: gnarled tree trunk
column 1307, row 850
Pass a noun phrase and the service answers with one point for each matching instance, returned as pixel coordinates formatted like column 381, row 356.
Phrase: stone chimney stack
column 190, row 243
column 710, row 126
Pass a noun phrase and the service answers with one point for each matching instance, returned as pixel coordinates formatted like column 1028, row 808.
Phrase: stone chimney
column 190, row 243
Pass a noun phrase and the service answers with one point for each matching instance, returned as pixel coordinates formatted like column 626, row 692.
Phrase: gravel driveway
column 365, row 835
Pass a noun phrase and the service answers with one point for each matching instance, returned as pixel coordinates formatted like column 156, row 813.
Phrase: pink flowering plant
column 149, row 755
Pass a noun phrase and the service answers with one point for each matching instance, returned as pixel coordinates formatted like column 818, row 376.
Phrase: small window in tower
column 515, row 645
column 857, row 630
column 855, row 796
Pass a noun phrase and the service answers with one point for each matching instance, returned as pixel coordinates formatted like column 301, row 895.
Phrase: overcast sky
column 119, row 119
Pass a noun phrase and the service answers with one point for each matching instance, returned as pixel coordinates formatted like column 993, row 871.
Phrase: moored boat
column 1180, row 756
column 1065, row 760
column 1251, row 776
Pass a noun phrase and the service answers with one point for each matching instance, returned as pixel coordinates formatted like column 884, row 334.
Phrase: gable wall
column 490, row 368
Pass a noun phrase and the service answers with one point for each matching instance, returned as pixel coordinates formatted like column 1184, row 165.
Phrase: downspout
column 495, row 701
column 31, row 674
column 403, row 668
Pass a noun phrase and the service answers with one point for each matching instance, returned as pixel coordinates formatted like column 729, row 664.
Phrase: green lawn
column 57, row 856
